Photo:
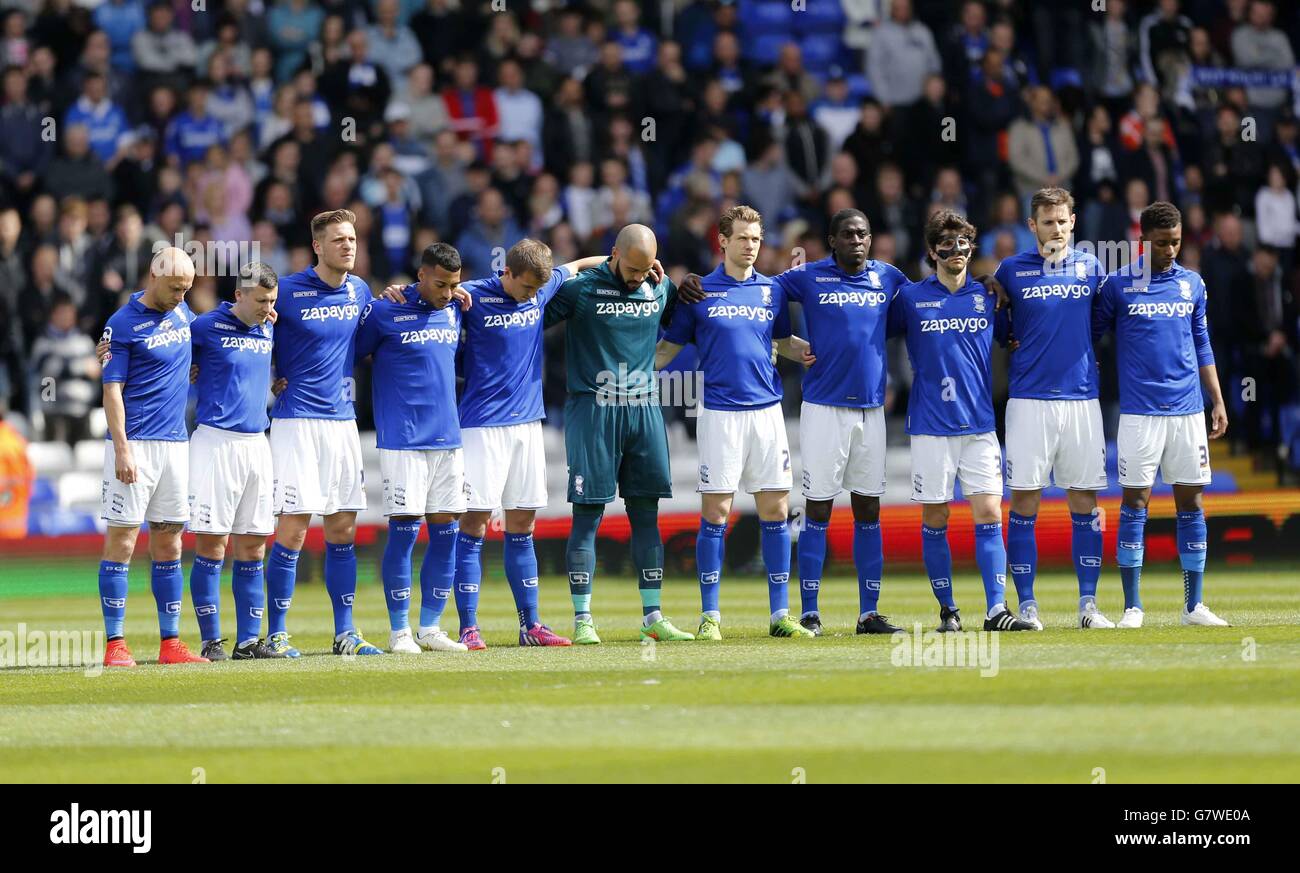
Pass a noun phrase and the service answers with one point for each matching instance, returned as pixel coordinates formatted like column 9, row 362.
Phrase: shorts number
column 1205, row 456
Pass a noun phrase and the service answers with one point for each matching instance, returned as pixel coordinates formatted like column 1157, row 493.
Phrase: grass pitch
column 1164, row 703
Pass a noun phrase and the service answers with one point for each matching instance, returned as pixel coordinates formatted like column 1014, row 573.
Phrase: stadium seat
column 98, row 424
column 859, row 86
column 43, row 493
column 822, row 18
column 765, row 48
column 88, row 456
column 767, row 16
column 50, row 459
column 80, row 490
column 821, row 51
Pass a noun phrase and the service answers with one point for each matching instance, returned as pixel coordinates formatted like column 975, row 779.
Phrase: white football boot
column 401, row 643
column 1029, row 614
column 436, row 640
column 1132, row 618
column 1201, row 615
column 1091, row 617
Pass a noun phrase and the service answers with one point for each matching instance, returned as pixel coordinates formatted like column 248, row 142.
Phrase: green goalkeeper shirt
column 610, row 339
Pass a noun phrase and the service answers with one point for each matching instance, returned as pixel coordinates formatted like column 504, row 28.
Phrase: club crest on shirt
column 979, row 304
column 352, row 292
column 1184, row 289
column 874, row 278
column 767, row 296
column 1080, row 270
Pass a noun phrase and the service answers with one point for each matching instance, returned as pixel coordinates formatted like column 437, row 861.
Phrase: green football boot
column 664, row 631
column 584, row 632
column 786, row 626
column 710, row 629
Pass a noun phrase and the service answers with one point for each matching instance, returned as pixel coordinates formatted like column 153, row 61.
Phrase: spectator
column 730, row 69
column 609, row 85
column 65, row 373
column 1006, row 221
column 835, row 113
column 104, row 121
column 1114, row 54
column 194, row 131
column 567, row 132
column 806, row 145
column 15, row 49
column 228, row 44
column 1155, row 163
column 44, row 286
column 994, row 99
column 120, row 20
column 790, row 74
column 164, row 55
column 1041, row 150
column 579, row 199
column 358, row 86
column 520, row 110
column 638, row 44
column 1234, row 167
column 1265, row 337
column 901, row 55
column 1275, row 214
column 1163, row 37
column 428, row 112
column 78, row 171
column 292, row 24
column 13, row 279
column 24, row 152
column 570, row 50
column 472, row 107
column 229, row 101
column 124, row 268
column 1097, row 155
column 394, row 218
column 492, row 233
column 1258, row 45
column 392, row 43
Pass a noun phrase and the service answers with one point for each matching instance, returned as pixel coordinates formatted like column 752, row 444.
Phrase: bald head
column 171, row 273
column 634, row 253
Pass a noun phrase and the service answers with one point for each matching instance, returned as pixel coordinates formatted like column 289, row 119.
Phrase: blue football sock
column 647, row 551
column 869, row 557
column 938, row 563
column 281, row 572
column 396, row 570
column 1085, row 548
column 812, row 558
column 991, row 555
column 469, row 575
column 1022, row 554
column 205, row 593
column 580, row 554
column 710, row 545
column 438, row 571
column 341, row 583
column 168, row 584
column 521, row 572
column 112, row 596
column 1129, row 551
column 774, row 537
column 250, row 600
column 1191, row 555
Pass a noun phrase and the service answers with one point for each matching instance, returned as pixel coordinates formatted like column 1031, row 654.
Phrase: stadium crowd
column 479, row 123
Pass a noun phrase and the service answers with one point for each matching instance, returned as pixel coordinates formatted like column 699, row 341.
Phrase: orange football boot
column 173, row 651
column 116, row 654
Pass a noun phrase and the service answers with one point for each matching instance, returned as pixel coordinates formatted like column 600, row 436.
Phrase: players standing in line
column 1054, row 430
column 501, row 426
column 948, row 323
column 315, row 445
column 418, row 433
column 614, row 433
column 845, row 301
column 1157, row 309
column 231, row 478
column 741, row 435
column 146, row 460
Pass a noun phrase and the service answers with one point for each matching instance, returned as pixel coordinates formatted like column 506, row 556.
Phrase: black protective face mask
column 949, row 249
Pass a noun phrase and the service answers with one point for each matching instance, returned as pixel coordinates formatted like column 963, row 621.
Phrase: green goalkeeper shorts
column 609, row 445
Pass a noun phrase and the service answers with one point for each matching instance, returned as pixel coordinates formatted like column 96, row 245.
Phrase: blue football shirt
column 1051, row 316
column 315, row 332
column 732, row 329
column 234, row 363
column 1162, row 338
column 502, row 355
column 949, row 340
column 150, row 355
column 414, row 383
column 846, row 317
